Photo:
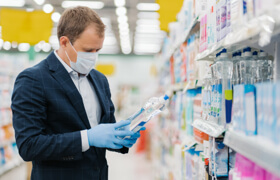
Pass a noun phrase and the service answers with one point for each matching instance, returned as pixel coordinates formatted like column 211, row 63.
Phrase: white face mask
column 85, row 61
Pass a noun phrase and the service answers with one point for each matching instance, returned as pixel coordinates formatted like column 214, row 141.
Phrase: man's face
column 89, row 41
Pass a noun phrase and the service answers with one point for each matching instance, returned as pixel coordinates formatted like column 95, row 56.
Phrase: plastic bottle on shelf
column 263, row 67
column 270, row 69
column 247, row 65
column 213, row 116
column 151, row 108
column 224, row 76
column 235, row 73
column 255, row 55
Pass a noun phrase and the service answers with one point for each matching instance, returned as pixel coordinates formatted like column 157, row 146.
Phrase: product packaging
column 250, row 110
column 223, row 26
column 218, row 20
column 236, row 13
column 277, row 107
column 228, row 16
column 221, row 158
column 269, row 120
column 260, row 90
column 211, row 23
column 247, row 171
column 259, row 173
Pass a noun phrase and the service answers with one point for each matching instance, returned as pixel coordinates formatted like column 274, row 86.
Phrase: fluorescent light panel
column 119, row 3
column 148, row 7
column 148, row 15
column 90, row 4
column 148, row 22
column 121, row 11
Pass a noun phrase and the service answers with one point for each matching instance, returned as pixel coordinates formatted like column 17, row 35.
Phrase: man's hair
column 75, row 20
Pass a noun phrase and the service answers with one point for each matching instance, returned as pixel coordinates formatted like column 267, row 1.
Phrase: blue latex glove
column 106, row 135
column 132, row 139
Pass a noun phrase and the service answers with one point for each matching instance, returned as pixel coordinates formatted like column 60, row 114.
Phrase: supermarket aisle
column 18, row 173
column 125, row 167
column 130, row 166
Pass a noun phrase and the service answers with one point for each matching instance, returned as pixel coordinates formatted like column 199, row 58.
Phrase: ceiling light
column 162, row 34
column 55, row 17
column 124, row 32
column 90, row 4
column 126, row 51
column 148, row 7
column 14, row 44
column 53, row 39
column 23, row 47
column 47, row 8
column 119, row 3
column 148, row 40
column 39, row 2
column 37, row 48
column 12, row 3
column 46, row 47
column 147, row 28
column 122, row 19
column 7, row 45
column 148, row 22
column 148, row 15
column 120, row 11
column 123, row 26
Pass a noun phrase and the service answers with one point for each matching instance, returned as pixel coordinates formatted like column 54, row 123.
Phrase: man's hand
column 132, row 139
column 106, row 135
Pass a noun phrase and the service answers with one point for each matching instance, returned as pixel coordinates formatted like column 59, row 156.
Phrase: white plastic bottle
column 151, row 108
column 262, row 67
column 247, row 65
column 235, row 73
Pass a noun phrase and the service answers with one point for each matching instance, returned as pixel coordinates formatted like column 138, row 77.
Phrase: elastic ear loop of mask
column 67, row 53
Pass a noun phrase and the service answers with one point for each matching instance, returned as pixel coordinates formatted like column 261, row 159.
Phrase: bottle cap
column 221, row 145
column 165, row 97
column 255, row 53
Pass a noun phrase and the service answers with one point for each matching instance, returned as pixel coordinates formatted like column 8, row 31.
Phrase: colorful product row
column 256, row 110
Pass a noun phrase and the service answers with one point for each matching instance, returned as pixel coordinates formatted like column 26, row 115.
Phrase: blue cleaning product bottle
column 224, row 79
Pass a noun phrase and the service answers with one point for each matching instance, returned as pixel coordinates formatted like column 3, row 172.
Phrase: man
column 63, row 115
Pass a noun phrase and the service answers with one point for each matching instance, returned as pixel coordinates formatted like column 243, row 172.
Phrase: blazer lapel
column 64, row 79
column 100, row 94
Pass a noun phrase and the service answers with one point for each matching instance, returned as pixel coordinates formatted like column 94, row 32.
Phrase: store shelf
column 257, row 150
column 7, row 142
column 258, row 33
column 17, row 161
column 209, row 128
column 186, row 85
column 186, row 33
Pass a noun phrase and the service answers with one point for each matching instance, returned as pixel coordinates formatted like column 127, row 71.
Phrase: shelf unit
column 186, row 34
column 210, row 128
column 258, row 150
column 259, row 33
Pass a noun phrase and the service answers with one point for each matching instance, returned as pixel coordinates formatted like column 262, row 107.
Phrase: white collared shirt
column 90, row 100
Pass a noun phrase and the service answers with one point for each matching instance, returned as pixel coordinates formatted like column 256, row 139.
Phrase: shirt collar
column 68, row 69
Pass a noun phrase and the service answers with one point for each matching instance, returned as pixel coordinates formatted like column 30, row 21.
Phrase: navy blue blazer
column 48, row 115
